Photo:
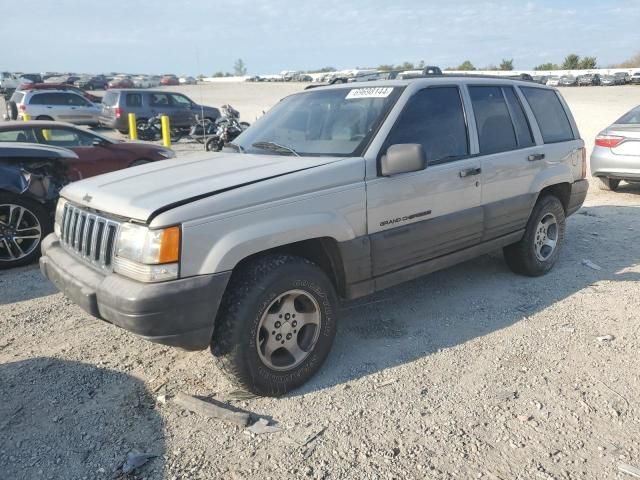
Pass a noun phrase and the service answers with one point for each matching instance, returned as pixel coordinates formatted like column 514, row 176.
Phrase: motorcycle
column 151, row 130
column 224, row 130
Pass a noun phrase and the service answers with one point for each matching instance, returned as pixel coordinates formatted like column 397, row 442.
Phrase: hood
column 139, row 192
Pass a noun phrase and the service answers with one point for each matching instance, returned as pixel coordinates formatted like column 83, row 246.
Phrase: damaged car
column 30, row 178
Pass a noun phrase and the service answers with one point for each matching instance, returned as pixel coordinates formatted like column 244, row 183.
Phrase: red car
column 169, row 80
column 120, row 82
column 96, row 154
column 60, row 86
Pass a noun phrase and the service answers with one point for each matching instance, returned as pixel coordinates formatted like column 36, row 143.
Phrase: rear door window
column 134, row 100
column 18, row 135
column 550, row 114
column 495, row 129
column 434, row 118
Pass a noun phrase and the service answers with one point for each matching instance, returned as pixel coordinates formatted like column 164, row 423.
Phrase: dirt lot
column 472, row 372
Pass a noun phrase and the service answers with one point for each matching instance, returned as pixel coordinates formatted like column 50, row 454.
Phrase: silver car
column 616, row 155
column 57, row 105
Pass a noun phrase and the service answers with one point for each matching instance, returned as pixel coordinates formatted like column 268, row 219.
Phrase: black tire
column 175, row 135
column 44, row 117
column 212, row 144
column 44, row 219
column 251, row 290
column 140, row 161
column 12, row 110
column 608, row 184
column 123, row 132
column 521, row 257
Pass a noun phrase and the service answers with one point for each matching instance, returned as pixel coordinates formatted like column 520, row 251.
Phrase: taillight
column 608, row 141
column 118, row 111
column 584, row 162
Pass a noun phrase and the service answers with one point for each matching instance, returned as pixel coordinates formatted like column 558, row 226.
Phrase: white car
column 142, row 81
column 187, row 81
column 553, row 82
column 8, row 83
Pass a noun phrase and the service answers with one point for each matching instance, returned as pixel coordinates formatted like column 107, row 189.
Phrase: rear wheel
column 213, row 144
column 276, row 324
column 538, row 250
column 609, row 184
column 23, row 225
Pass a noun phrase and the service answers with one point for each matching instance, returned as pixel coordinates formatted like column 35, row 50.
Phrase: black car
column 31, row 176
column 97, row 82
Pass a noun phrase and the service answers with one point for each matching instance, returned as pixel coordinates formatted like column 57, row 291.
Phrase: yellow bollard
column 46, row 133
column 26, row 117
column 133, row 129
column 166, row 135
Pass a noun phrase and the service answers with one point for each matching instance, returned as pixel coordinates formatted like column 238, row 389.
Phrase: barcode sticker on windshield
column 379, row 92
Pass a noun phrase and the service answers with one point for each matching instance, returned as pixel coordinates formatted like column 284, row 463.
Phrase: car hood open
column 139, row 192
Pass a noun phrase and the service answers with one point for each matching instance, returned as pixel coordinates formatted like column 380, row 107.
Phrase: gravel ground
column 471, row 372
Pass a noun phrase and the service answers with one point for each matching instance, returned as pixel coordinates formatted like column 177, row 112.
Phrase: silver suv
column 60, row 105
column 338, row 191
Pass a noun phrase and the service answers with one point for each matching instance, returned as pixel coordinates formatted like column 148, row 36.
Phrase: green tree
column 421, row 64
column 322, row 70
column 571, row 62
column 385, row 68
column 405, row 66
column 239, row 68
column 547, row 66
column 629, row 63
column 588, row 62
column 506, row 64
column 218, row 74
column 466, row 66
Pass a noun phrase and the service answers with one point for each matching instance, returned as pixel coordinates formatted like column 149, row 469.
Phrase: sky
column 206, row 36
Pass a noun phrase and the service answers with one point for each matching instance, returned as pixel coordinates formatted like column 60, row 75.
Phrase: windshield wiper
column 275, row 147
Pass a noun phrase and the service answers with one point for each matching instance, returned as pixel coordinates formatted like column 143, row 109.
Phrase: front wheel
column 23, row 225
column 276, row 324
column 538, row 250
column 213, row 144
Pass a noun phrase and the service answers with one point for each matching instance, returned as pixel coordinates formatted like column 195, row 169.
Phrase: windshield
column 321, row 122
column 632, row 117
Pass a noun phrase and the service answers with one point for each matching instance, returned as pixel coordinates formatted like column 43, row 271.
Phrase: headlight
column 147, row 255
column 57, row 227
column 167, row 153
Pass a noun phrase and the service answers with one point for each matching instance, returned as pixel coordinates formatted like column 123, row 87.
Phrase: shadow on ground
column 476, row 298
column 26, row 283
column 62, row 419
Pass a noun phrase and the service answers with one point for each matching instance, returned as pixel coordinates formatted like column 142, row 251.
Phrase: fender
column 240, row 243
column 41, row 188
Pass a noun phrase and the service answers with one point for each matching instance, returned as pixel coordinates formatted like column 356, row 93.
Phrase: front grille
column 89, row 236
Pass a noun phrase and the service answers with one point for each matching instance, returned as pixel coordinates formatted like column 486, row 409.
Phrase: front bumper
column 578, row 194
column 179, row 313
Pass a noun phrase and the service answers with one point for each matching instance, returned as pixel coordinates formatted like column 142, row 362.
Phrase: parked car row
column 589, row 79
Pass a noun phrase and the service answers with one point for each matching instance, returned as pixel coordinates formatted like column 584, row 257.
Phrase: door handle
column 470, row 172
column 535, row 156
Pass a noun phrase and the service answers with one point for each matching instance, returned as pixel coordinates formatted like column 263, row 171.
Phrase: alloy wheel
column 546, row 237
column 288, row 330
column 20, row 232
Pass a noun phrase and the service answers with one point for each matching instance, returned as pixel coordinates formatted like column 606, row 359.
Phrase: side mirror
column 403, row 158
column 98, row 142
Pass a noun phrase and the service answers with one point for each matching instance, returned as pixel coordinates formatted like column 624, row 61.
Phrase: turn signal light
column 170, row 245
column 608, row 141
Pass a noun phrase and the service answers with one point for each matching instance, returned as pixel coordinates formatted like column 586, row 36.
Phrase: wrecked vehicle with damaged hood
column 338, row 191
column 31, row 177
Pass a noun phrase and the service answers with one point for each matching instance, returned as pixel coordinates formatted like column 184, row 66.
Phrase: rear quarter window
column 134, row 100
column 550, row 114
column 110, row 99
column 17, row 97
